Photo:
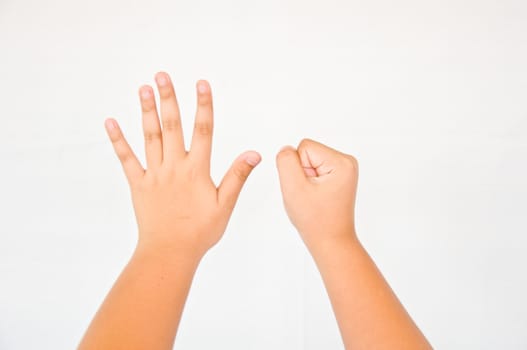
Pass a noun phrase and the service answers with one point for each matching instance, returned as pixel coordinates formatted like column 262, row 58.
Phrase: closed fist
column 318, row 186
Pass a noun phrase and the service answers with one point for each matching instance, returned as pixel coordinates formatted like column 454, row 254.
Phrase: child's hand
column 318, row 187
column 176, row 204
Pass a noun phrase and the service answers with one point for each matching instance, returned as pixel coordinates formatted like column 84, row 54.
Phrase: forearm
column 143, row 308
column 367, row 310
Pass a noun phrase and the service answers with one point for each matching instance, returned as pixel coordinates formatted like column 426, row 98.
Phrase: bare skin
column 180, row 214
column 319, row 186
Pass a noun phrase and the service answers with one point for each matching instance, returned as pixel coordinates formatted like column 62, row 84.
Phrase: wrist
column 168, row 253
column 326, row 247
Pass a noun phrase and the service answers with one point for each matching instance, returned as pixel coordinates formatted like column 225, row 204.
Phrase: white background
column 430, row 96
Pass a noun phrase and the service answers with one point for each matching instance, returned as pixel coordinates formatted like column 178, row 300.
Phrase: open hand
column 176, row 203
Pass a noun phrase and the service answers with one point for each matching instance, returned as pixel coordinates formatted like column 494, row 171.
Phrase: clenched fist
column 318, row 186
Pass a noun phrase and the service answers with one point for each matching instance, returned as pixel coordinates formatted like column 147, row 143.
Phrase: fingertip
column 160, row 73
column 202, row 86
column 162, row 78
column 306, row 141
column 110, row 124
column 236, row 176
column 145, row 91
column 252, row 158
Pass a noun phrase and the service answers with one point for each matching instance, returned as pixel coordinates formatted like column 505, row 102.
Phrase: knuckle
column 150, row 181
column 240, row 172
column 305, row 142
column 352, row 161
column 203, row 128
column 151, row 136
column 115, row 138
column 205, row 100
column 171, row 124
column 167, row 92
column 147, row 105
column 123, row 155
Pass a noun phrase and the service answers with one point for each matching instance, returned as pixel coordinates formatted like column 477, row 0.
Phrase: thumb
column 232, row 183
column 289, row 169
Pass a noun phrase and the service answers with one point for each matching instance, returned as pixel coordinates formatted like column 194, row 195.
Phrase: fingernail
column 145, row 92
column 162, row 79
column 202, row 87
column 253, row 159
column 110, row 124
